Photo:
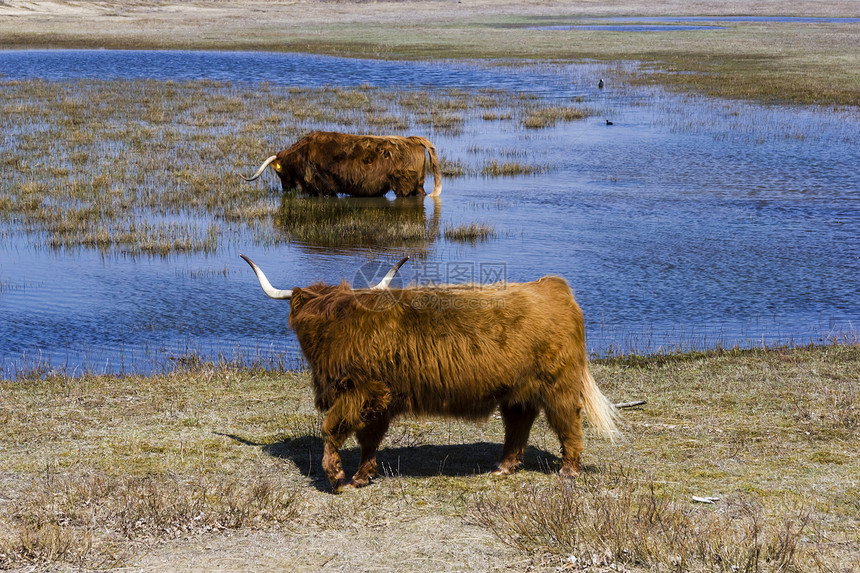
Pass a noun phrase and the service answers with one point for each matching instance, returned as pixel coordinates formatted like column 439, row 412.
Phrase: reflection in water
column 344, row 223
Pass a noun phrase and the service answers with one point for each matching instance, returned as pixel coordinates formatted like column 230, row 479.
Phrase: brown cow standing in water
column 328, row 163
column 459, row 351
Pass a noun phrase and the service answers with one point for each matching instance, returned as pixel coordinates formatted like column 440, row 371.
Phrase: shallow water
column 776, row 19
column 283, row 69
column 627, row 27
column 687, row 222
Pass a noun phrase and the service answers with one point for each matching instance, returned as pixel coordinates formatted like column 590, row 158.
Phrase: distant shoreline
column 795, row 62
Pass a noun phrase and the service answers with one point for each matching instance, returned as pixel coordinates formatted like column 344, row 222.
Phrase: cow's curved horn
column 386, row 280
column 260, row 170
column 271, row 291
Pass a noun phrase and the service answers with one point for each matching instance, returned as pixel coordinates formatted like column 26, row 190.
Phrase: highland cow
column 459, row 351
column 328, row 163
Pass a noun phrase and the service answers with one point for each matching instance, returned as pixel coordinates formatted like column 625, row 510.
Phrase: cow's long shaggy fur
column 328, row 163
column 457, row 351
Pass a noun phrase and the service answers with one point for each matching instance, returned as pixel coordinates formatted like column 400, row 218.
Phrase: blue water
column 627, row 27
column 754, row 19
column 687, row 222
column 281, row 69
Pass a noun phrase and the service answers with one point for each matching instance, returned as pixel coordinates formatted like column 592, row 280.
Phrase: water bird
column 600, row 84
column 608, row 122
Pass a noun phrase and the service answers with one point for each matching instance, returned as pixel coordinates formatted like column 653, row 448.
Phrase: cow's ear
column 277, row 165
column 298, row 299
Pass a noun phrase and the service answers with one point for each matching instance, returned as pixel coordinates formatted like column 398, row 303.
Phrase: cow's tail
column 600, row 411
column 434, row 163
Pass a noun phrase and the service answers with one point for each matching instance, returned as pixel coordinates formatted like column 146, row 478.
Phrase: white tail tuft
column 600, row 411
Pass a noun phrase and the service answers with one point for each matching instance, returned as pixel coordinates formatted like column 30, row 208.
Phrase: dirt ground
column 455, row 547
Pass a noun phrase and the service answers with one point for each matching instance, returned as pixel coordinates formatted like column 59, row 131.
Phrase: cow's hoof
column 357, row 483
column 568, row 472
column 502, row 472
column 338, row 481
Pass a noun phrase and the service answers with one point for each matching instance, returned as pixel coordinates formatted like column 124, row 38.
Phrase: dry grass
column 772, row 434
column 617, row 518
column 99, row 520
column 117, row 470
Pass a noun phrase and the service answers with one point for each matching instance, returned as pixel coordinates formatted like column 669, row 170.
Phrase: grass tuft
column 472, row 232
column 511, row 169
column 617, row 518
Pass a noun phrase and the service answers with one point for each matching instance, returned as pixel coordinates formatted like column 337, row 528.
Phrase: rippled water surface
column 687, row 221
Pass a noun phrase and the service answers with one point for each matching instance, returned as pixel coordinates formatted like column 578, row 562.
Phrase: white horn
column 271, row 291
column 386, row 280
column 260, row 170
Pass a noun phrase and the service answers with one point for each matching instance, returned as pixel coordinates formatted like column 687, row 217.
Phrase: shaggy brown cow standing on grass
column 458, row 351
column 328, row 163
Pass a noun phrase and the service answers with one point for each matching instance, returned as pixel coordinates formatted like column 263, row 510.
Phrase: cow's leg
column 564, row 414
column 369, row 438
column 518, row 420
column 336, row 430
column 407, row 186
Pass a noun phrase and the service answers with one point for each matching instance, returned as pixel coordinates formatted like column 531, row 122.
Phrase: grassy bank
column 805, row 62
column 143, row 471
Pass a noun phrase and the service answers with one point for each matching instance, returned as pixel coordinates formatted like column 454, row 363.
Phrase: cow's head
column 281, row 294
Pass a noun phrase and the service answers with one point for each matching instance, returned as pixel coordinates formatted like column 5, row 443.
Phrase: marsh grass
column 114, row 466
column 471, row 233
column 151, row 168
column 495, row 168
column 549, row 116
